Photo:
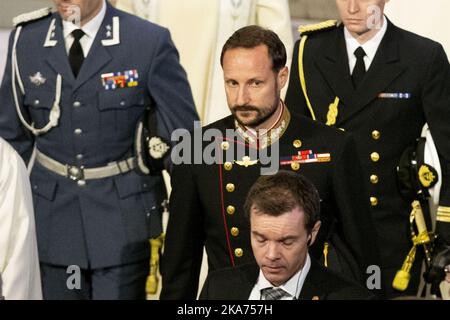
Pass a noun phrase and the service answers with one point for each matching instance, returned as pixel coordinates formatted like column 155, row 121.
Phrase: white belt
column 80, row 173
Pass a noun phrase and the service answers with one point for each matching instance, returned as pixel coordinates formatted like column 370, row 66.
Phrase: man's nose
column 353, row 6
column 243, row 97
column 273, row 251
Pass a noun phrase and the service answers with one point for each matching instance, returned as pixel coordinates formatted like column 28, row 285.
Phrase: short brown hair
column 283, row 192
column 252, row 36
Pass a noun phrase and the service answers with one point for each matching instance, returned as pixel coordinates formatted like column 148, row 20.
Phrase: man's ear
column 315, row 230
column 282, row 77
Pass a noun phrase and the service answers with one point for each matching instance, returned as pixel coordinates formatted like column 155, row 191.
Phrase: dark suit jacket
column 404, row 63
column 204, row 212
column 237, row 284
column 108, row 221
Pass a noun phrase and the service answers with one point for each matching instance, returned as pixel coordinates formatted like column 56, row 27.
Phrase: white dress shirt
column 370, row 47
column 19, row 263
column 293, row 286
column 90, row 29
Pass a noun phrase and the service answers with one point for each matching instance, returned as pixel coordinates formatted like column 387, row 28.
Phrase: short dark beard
column 258, row 121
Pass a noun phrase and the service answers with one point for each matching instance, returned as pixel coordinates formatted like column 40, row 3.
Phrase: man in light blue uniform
column 76, row 92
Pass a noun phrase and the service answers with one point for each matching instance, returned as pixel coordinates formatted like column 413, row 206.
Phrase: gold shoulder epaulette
column 32, row 16
column 313, row 28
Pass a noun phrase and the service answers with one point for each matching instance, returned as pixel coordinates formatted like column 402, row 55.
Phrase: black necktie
column 360, row 68
column 76, row 56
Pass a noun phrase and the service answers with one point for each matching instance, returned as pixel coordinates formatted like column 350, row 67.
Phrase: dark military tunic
column 407, row 84
column 206, row 205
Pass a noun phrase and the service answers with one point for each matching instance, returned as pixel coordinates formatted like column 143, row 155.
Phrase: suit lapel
column 58, row 58
column 333, row 65
column 98, row 55
column 313, row 283
column 384, row 69
column 250, row 277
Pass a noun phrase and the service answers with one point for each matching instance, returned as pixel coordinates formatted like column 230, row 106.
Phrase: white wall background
column 12, row 8
column 4, row 35
column 428, row 18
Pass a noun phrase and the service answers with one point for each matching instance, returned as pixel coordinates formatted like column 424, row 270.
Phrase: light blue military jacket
column 105, row 222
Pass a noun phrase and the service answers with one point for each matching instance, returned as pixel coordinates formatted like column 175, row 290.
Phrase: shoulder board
column 32, row 16
column 319, row 27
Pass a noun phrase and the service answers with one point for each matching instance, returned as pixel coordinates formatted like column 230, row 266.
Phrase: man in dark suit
column 284, row 213
column 260, row 137
column 381, row 84
column 76, row 83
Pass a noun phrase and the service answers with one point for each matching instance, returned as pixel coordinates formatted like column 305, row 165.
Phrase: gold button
column 376, row 134
column 373, row 201
column 374, row 179
column 225, row 145
column 295, row 166
column 230, row 187
column 231, row 210
column 297, row 143
column 234, row 232
column 238, row 252
column 228, row 166
column 375, row 156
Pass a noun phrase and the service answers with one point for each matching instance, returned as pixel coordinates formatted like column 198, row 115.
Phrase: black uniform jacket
column 407, row 84
column 206, row 205
column 320, row 284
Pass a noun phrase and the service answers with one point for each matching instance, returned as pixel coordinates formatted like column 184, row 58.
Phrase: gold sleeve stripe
column 443, row 214
column 444, row 209
column 443, row 219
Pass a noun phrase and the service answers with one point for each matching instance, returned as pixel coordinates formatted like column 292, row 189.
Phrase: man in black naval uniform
column 380, row 83
column 207, row 199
